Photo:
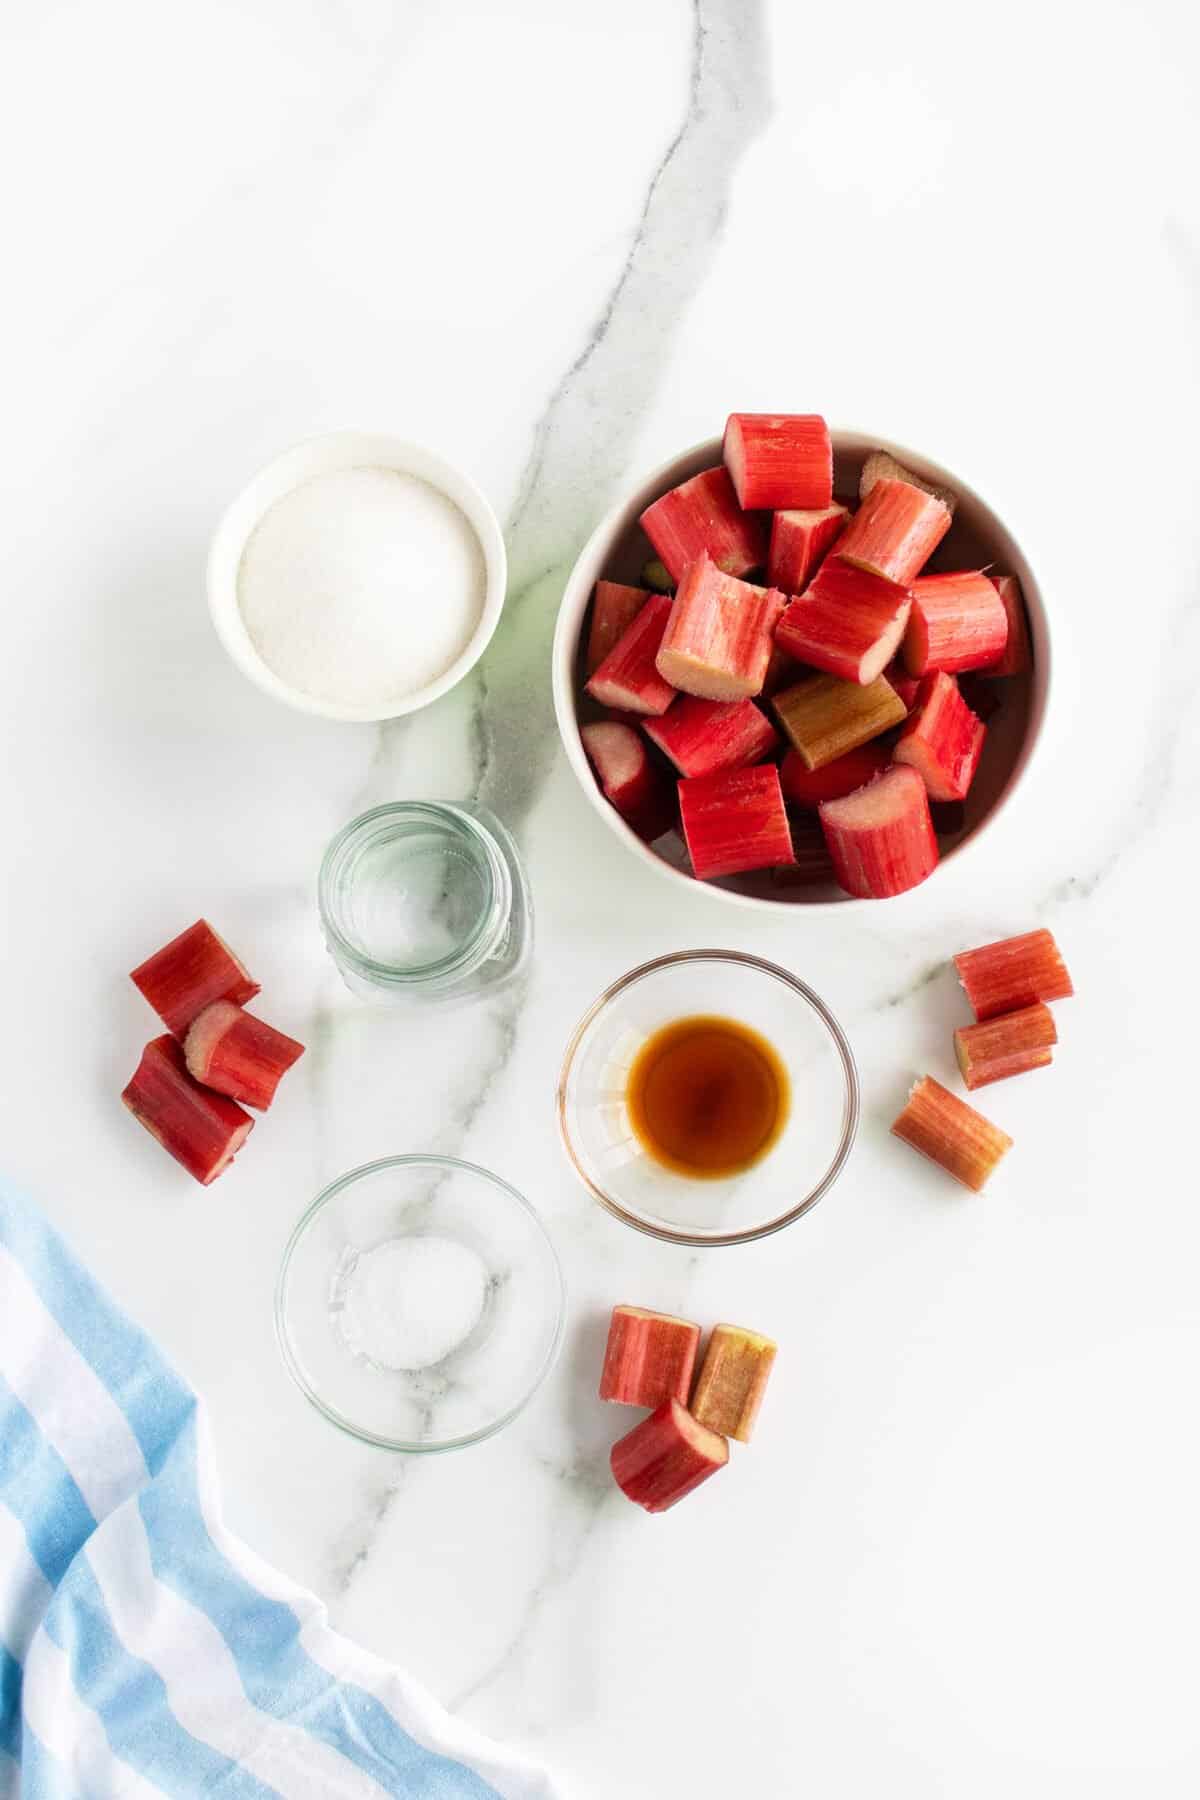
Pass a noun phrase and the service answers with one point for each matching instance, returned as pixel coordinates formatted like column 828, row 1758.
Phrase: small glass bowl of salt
column 420, row 1303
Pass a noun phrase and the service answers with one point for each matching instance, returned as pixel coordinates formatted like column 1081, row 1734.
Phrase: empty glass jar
column 422, row 900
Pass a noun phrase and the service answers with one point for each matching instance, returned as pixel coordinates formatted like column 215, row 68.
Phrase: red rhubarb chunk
column 800, row 541
column 1015, row 972
column 943, row 739
column 1012, row 1044
column 703, row 518
column 649, row 1358
column 189, row 973
column 950, row 1133
column 614, row 608
column 735, row 821
column 780, row 460
column 1017, row 655
column 849, row 623
column 803, row 786
column 958, row 621
column 666, row 1457
column 640, row 792
column 628, row 678
column 239, row 1055
column 201, row 1129
column 881, row 838
column 895, row 531
column 702, row 737
column 718, row 639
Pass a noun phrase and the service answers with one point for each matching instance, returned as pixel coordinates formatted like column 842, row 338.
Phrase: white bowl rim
column 319, row 453
column 573, row 605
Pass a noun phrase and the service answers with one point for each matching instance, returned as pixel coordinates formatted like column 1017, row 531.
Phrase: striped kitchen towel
column 143, row 1649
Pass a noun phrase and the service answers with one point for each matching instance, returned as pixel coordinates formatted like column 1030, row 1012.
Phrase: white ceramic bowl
column 320, row 456
column 618, row 550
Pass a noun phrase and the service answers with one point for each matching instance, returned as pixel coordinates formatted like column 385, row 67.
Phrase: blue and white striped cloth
column 143, row 1650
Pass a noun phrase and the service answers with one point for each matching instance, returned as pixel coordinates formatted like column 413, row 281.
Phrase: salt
column 408, row 1302
column 361, row 586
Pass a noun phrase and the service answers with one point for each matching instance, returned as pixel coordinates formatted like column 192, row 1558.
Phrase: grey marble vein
column 581, row 441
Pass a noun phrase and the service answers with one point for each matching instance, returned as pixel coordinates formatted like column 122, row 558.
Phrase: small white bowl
column 319, row 456
column 617, row 551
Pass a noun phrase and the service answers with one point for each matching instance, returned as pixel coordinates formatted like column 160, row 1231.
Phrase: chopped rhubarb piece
column 703, row 518
column 800, row 541
column 649, row 1358
column 732, row 1381
column 656, row 575
column 813, row 864
column 201, row 1129
column 803, row 786
column 849, row 623
column 237, row 1054
column 1017, row 655
column 881, row 838
column 951, row 1133
column 665, row 1457
column 895, row 531
column 943, row 739
column 906, row 685
column 779, row 460
column 189, row 973
column 735, row 821
column 1012, row 1044
column 717, row 643
column 879, row 466
column 957, row 622
column 704, row 736
column 631, row 782
column 614, row 608
column 628, row 677
column 1005, row 976
column 823, row 717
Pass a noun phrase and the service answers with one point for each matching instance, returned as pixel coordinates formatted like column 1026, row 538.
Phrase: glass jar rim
column 494, row 913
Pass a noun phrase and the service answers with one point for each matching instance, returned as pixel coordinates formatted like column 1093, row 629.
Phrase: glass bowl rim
column 413, row 1159
column 850, row 1120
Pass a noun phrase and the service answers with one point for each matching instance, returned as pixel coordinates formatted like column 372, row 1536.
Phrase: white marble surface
column 557, row 243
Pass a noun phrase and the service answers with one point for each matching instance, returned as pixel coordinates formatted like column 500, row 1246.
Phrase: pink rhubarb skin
column 800, row 542
column 1012, row 1044
column 239, row 1055
column 702, row 737
column 807, row 787
column 849, row 623
column 628, row 678
column 665, row 1458
column 943, row 739
column 881, row 839
column 779, row 460
column 950, row 1133
column 201, row 1129
column 1017, row 655
column 1012, row 973
column 895, row 531
column 703, row 518
column 189, row 973
column 718, row 640
column 630, row 781
column 735, row 821
column 957, row 622
column 614, row 608
column 649, row 1358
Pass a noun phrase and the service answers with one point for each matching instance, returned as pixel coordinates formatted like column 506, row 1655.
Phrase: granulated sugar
column 361, row 586
column 408, row 1302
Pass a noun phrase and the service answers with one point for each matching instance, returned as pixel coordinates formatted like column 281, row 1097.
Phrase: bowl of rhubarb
column 708, row 1097
column 420, row 1303
column 800, row 666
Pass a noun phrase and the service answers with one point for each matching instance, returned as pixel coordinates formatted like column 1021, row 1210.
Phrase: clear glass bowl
column 803, row 1163
column 482, row 1382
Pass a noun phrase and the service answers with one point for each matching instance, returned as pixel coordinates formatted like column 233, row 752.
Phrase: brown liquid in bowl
column 707, row 1096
